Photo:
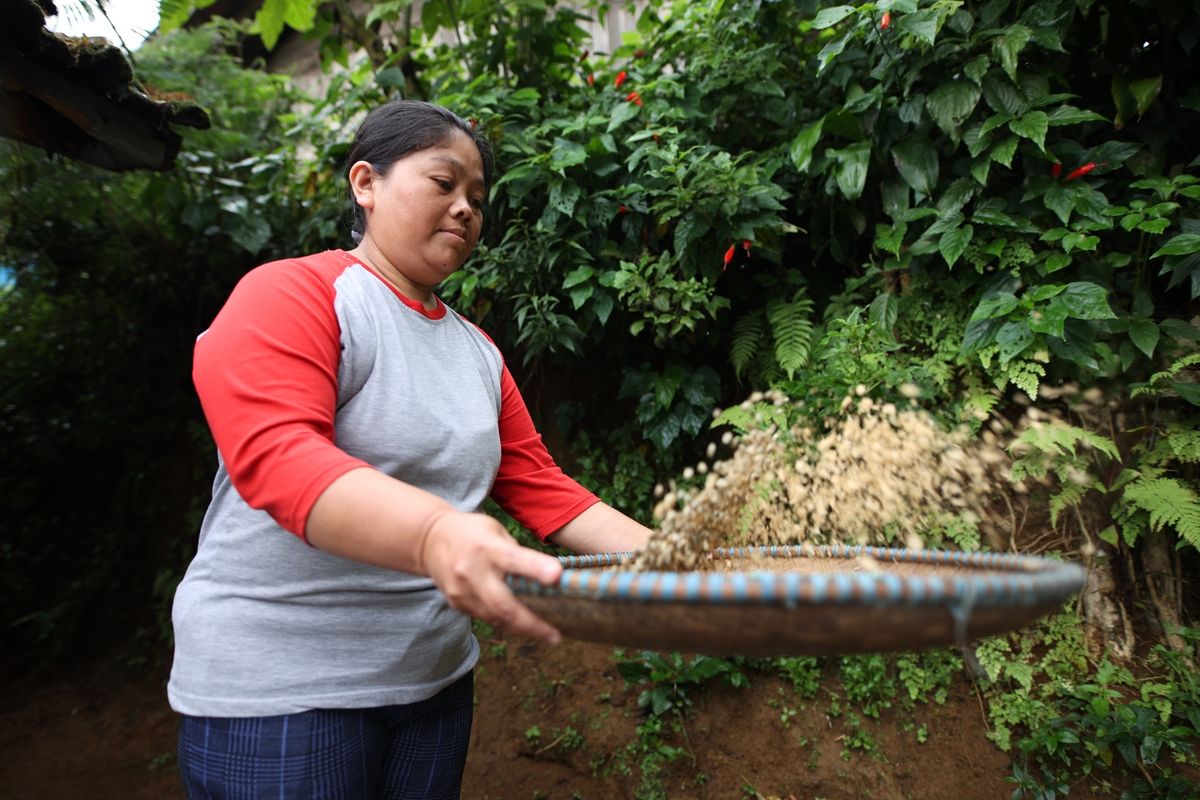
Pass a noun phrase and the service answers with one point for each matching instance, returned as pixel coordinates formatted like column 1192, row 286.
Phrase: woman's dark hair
column 401, row 127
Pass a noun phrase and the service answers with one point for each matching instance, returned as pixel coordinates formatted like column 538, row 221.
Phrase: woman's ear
column 362, row 178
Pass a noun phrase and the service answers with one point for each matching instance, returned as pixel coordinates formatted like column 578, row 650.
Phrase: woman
column 322, row 632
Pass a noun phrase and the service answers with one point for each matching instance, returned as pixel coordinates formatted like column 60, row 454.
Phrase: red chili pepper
column 885, row 21
column 634, row 97
column 729, row 255
column 621, row 76
column 1081, row 171
column 657, row 138
column 591, row 79
column 746, row 246
column 1055, row 170
column 621, row 209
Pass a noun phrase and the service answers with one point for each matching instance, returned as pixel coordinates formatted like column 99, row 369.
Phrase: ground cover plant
column 992, row 206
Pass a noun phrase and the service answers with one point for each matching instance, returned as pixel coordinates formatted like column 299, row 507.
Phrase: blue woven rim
column 1033, row 580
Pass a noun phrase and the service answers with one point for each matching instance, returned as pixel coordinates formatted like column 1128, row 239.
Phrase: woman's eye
column 477, row 203
column 444, row 184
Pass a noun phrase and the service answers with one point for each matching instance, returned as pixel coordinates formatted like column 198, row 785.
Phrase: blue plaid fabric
column 392, row 753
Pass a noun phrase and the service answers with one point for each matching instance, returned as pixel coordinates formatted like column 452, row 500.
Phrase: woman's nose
column 461, row 207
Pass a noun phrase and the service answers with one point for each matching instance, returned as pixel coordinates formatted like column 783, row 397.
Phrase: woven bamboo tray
column 802, row 600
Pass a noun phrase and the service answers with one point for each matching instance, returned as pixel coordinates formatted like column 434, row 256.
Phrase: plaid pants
column 391, row 753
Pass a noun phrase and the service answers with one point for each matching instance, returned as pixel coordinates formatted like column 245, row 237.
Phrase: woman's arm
column 367, row 516
column 601, row 529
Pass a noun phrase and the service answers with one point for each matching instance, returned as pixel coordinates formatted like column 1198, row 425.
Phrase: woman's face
column 425, row 214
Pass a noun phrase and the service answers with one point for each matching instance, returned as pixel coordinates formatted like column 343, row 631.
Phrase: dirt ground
column 102, row 729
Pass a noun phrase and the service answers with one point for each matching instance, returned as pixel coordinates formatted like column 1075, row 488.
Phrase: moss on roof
column 78, row 96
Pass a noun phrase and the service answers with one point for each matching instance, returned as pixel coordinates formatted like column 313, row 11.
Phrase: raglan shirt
column 314, row 367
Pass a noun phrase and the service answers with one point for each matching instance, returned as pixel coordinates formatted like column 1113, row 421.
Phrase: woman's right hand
column 468, row 557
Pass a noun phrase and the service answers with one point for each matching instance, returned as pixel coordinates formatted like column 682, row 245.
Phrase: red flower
column 1081, row 171
column 729, row 255
column 634, row 97
column 746, row 246
column 1055, row 170
column 885, row 21
column 591, row 79
column 621, row 76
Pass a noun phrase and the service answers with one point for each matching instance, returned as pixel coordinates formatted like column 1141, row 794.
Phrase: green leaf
column 851, row 168
column 976, row 140
column 993, row 122
column 577, row 276
column 994, row 307
column 804, row 144
column 1181, row 245
column 1054, row 262
column 980, row 168
column 1003, row 97
column 566, row 153
column 1059, row 200
column 1004, row 151
column 917, row 162
column 977, row 67
column 1032, row 126
column 956, row 195
column 885, row 309
column 623, row 113
column 828, row 17
column 251, row 234
column 1049, row 319
column 300, row 15
column 1079, row 241
column 923, row 25
column 1008, row 46
column 1086, row 300
column 894, row 196
column 951, row 103
column 890, row 238
column 1070, row 115
column 954, row 243
column 1144, row 335
column 1191, row 393
column 1145, row 92
column 1013, row 338
column 390, row 78
column 830, row 51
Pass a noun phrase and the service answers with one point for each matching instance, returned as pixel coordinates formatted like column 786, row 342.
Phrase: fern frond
column 1169, row 502
column 1069, row 496
column 1184, row 441
column 792, row 329
column 1190, row 360
column 1058, row 438
column 1026, row 376
column 747, row 339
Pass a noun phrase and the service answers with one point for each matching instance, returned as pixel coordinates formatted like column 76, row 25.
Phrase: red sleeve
column 266, row 374
column 529, row 485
